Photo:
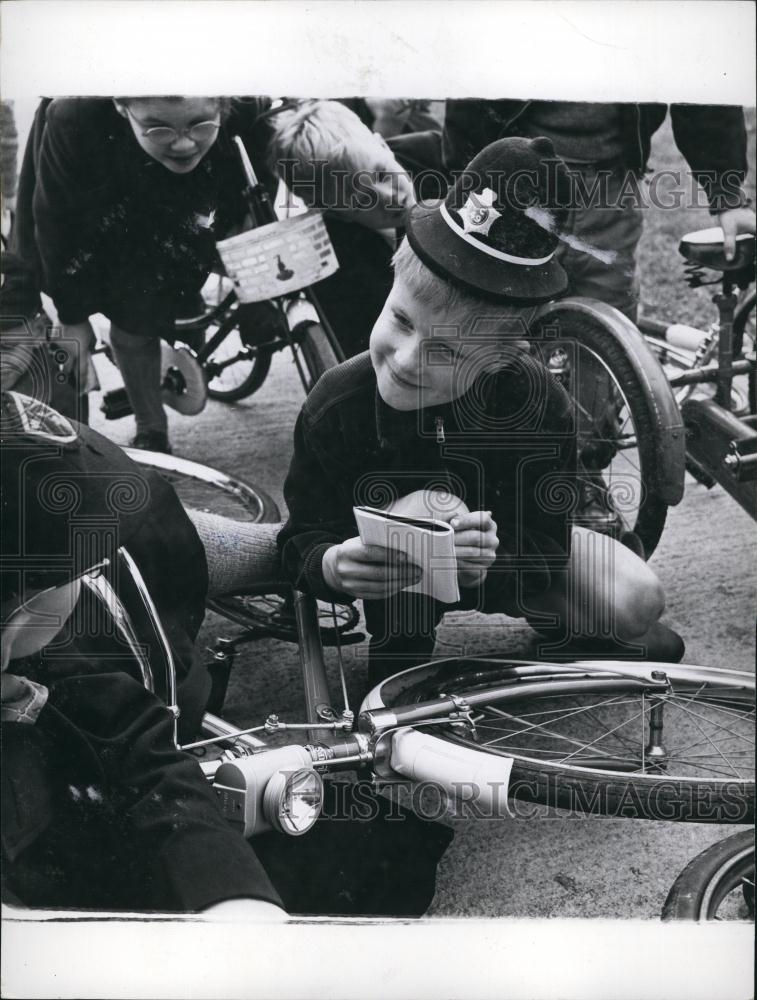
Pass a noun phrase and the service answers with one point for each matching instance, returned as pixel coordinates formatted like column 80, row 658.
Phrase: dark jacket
column 508, row 446
column 100, row 810
column 712, row 138
column 109, row 229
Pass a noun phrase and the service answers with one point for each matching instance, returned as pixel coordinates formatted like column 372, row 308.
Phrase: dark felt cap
column 69, row 497
column 496, row 232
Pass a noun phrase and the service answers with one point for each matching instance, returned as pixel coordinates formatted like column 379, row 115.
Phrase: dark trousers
column 402, row 630
column 366, row 856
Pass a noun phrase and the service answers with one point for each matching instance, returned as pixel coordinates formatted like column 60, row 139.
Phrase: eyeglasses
column 162, row 135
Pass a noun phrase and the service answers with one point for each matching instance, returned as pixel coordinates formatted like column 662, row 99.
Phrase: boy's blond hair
column 319, row 145
column 461, row 305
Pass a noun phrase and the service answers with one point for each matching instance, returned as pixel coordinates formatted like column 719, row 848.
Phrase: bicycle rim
column 268, row 609
column 686, row 754
column 717, row 885
column 616, row 433
column 242, row 377
column 200, row 487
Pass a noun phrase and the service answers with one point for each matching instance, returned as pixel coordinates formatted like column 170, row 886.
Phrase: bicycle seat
column 705, row 247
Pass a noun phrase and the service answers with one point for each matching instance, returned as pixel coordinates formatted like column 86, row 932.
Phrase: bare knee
column 640, row 601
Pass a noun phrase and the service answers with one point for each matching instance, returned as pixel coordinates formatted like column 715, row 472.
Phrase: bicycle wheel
column 317, row 352
column 203, row 488
column 594, row 737
column 717, row 885
column 629, row 429
column 236, row 367
column 268, row 608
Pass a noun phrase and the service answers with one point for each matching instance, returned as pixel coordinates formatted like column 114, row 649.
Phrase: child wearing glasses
column 120, row 204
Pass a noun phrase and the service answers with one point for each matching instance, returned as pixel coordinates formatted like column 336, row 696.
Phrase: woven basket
column 281, row 257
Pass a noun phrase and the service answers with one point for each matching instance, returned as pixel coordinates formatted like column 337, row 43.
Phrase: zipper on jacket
column 440, row 438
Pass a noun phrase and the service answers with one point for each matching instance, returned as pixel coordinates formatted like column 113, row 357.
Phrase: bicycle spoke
column 542, row 731
column 620, row 725
column 724, row 729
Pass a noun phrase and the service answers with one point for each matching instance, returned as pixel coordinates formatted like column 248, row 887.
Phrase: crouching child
column 449, row 414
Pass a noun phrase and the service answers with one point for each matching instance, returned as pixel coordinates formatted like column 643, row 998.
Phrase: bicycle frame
column 721, row 443
column 225, row 314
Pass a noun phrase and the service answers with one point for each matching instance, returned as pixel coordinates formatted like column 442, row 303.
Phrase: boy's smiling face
column 419, row 353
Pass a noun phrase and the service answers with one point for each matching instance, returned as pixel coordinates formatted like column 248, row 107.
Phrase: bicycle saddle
column 705, row 247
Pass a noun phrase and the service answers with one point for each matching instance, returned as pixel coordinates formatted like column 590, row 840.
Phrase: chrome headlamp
column 277, row 789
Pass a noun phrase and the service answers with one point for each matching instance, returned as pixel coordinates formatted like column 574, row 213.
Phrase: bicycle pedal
column 116, row 404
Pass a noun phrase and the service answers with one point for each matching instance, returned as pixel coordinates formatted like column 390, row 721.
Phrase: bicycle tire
column 615, row 776
column 244, row 377
column 317, row 351
column 708, row 880
column 201, row 487
column 632, row 474
column 265, row 609
column 249, row 385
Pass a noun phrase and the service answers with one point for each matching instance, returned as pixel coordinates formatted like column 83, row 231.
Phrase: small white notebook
column 426, row 541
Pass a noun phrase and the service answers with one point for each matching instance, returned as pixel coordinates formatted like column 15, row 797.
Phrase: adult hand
column 244, row 911
column 734, row 222
column 368, row 571
column 81, row 340
column 475, row 546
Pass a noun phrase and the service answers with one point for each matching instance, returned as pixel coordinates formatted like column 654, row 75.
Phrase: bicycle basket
column 281, row 257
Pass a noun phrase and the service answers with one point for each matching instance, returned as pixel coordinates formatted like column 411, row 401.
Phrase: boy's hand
column 735, row 221
column 475, row 546
column 368, row 571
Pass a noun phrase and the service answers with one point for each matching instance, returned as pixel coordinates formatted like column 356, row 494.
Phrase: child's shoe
column 152, row 441
column 661, row 643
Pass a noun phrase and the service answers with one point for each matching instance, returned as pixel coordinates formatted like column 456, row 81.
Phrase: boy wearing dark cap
column 447, row 414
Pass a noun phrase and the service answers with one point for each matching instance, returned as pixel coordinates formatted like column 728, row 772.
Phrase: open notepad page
column 425, row 541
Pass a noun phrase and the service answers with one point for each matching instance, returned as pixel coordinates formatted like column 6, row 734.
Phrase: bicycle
column 721, row 439
column 641, row 434
column 629, row 428
column 235, row 351
column 264, row 304
column 641, row 740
